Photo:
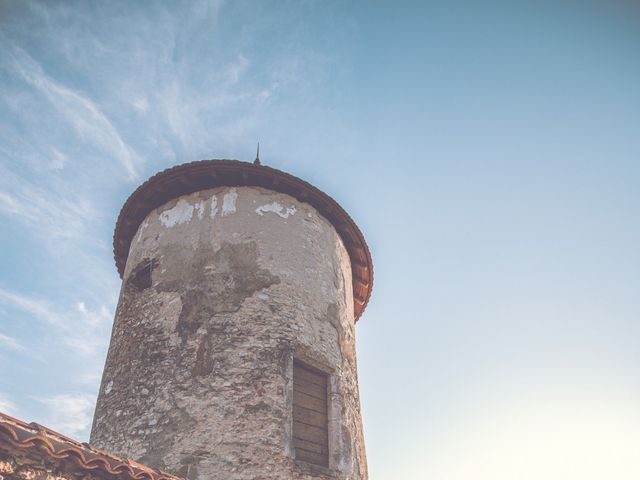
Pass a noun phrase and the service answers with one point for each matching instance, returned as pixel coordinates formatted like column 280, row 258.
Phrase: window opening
column 310, row 415
column 141, row 276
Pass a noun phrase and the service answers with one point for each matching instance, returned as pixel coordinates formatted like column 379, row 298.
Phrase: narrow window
column 141, row 275
column 310, row 415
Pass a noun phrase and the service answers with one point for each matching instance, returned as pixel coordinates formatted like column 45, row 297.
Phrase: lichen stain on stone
column 333, row 315
column 189, row 470
column 175, row 421
column 346, row 339
column 346, row 435
column 204, row 363
column 278, row 355
column 258, row 407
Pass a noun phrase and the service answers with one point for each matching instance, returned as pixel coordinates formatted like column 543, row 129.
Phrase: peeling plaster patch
column 214, row 207
column 199, row 209
column 144, row 225
column 229, row 202
column 276, row 208
column 182, row 212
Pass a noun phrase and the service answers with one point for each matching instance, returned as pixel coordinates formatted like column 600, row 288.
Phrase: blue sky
column 489, row 151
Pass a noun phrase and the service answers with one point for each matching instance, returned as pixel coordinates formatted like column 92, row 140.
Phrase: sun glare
column 550, row 441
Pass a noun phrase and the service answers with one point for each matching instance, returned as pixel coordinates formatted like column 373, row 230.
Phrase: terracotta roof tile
column 43, row 441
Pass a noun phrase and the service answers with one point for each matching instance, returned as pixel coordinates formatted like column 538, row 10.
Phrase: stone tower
column 233, row 348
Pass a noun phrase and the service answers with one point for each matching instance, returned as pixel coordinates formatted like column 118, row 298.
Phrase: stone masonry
column 222, row 289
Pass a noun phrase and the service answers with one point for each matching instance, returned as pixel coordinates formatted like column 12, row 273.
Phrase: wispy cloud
column 207, row 9
column 82, row 334
column 211, row 113
column 11, row 343
column 69, row 413
column 7, row 406
column 58, row 160
column 141, row 104
column 84, row 102
column 79, row 327
column 94, row 318
column 236, row 69
column 55, row 214
column 85, row 116
column 37, row 308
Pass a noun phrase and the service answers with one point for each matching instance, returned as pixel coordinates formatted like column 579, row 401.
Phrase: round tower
column 232, row 354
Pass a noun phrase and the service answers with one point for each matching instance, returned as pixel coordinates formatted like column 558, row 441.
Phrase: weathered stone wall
column 198, row 379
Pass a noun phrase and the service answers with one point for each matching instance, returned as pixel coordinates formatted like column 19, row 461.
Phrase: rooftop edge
column 205, row 174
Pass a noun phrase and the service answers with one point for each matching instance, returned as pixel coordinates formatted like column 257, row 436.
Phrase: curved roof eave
column 205, row 174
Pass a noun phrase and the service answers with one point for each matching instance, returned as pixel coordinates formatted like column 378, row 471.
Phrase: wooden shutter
column 310, row 418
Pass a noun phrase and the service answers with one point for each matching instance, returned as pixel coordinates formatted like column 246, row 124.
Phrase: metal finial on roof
column 257, row 160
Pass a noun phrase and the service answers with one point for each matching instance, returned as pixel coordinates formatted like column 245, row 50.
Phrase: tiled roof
column 42, row 442
column 204, row 174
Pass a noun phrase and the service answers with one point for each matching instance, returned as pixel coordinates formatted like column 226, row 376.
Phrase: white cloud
column 38, row 308
column 206, row 9
column 69, row 414
column 81, row 328
column 98, row 317
column 65, row 118
column 85, row 116
column 11, row 343
column 6, row 406
column 237, row 69
column 57, row 215
column 141, row 104
column 91, row 379
column 86, row 344
column 58, row 161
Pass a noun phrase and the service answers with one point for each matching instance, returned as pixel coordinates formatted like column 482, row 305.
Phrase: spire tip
column 257, row 160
